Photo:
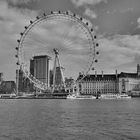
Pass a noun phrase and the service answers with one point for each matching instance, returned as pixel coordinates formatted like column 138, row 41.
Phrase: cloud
column 120, row 52
column 90, row 13
column 12, row 22
column 126, row 10
column 79, row 3
column 138, row 21
column 19, row 2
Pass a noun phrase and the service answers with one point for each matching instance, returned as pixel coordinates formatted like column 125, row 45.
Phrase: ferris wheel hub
column 56, row 51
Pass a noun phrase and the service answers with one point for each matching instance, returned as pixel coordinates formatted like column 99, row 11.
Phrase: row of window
column 92, row 86
column 99, row 89
column 104, row 91
column 107, row 80
column 99, row 86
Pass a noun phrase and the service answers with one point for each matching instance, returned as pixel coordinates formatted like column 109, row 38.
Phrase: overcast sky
column 117, row 24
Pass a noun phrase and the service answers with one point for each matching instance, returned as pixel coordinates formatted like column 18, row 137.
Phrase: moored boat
column 124, row 96
column 114, row 96
column 108, row 96
column 8, row 96
column 73, row 96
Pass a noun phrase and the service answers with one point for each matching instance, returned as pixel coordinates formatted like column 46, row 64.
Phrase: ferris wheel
column 66, row 32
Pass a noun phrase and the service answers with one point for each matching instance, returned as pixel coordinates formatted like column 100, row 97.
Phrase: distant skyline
column 117, row 24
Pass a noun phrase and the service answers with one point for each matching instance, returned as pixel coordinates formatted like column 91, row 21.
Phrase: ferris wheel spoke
column 33, row 44
column 38, row 40
column 71, row 45
column 70, row 34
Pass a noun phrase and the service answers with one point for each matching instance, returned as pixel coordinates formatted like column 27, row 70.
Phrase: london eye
column 67, row 39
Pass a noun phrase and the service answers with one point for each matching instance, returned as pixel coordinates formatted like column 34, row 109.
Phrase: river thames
column 44, row 119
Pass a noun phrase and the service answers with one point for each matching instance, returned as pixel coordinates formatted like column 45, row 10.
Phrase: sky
column 117, row 25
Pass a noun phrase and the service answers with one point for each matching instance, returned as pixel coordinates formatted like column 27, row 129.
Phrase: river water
column 44, row 119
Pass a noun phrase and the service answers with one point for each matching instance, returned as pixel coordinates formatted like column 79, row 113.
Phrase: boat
column 124, row 96
column 8, row 96
column 114, row 96
column 108, row 96
column 26, row 96
column 74, row 96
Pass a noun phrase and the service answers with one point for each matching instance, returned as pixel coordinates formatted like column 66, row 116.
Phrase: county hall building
column 110, row 83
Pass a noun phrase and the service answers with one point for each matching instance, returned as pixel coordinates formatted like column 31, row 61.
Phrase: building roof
column 99, row 77
column 109, row 76
column 41, row 56
column 129, row 75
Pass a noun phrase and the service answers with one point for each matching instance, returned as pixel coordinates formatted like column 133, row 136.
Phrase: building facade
column 39, row 68
column 110, row 83
column 95, row 84
column 8, row 87
column 20, row 78
column 70, row 84
column 129, row 81
column 24, row 84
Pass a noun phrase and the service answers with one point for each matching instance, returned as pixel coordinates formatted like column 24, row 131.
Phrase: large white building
column 110, row 83
column 93, row 84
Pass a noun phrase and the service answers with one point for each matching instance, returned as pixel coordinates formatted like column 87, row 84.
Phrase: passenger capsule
column 37, row 17
column 95, row 37
column 17, row 63
column 18, row 41
column 97, row 44
column 97, row 53
column 16, row 48
column 96, row 60
column 31, row 21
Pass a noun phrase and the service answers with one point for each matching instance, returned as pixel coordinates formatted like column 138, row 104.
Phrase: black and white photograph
column 69, row 69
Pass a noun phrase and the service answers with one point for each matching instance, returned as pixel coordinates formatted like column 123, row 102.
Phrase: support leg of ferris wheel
column 54, row 69
column 63, row 80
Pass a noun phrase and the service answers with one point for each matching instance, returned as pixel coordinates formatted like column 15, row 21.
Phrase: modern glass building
column 39, row 68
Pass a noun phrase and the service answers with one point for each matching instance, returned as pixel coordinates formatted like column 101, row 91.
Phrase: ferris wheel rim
column 38, row 19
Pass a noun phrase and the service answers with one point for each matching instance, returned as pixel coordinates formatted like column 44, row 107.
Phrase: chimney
column 138, row 69
column 1, row 77
column 102, row 74
column 116, row 73
column 95, row 73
